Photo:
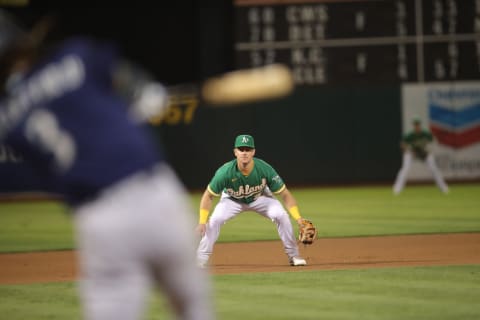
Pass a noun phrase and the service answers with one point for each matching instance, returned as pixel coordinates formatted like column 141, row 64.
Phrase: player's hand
column 405, row 147
column 300, row 221
column 201, row 229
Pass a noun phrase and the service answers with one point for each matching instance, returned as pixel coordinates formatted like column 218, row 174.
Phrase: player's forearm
column 288, row 198
column 291, row 204
column 146, row 96
column 205, row 207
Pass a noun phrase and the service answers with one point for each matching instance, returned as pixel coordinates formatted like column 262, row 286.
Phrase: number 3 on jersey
column 43, row 130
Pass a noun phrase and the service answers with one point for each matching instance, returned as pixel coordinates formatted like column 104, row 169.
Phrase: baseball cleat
column 297, row 261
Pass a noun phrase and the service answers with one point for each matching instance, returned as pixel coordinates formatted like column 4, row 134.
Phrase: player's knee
column 278, row 215
column 216, row 220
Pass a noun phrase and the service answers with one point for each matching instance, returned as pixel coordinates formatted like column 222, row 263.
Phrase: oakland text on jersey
column 420, row 142
column 54, row 80
column 247, row 191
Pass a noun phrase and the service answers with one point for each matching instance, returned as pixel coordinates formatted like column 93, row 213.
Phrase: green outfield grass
column 32, row 226
column 338, row 212
column 448, row 292
column 392, row 293
column 365, row 211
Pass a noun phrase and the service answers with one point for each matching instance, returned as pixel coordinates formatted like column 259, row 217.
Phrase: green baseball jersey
column 418, row 142
column 229, row 178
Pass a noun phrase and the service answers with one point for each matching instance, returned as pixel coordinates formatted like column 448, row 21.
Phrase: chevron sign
column 455, row 116
column 451, row 111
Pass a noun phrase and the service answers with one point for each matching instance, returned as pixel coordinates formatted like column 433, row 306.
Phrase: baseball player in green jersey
column 415, row 145
column 247, row 184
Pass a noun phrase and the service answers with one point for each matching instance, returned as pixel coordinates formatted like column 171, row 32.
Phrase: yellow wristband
column 294, row 212
column 203, row 216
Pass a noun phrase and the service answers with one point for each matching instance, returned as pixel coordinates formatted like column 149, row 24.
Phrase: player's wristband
column 294, row 212
column 203, row 216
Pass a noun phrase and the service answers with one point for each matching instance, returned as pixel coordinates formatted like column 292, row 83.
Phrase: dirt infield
column 268, row 256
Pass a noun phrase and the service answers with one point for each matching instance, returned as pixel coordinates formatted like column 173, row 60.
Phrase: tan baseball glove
column 307, row 232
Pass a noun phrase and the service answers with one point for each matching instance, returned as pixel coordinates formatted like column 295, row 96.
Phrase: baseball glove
column 420, row 153
column 307, row 232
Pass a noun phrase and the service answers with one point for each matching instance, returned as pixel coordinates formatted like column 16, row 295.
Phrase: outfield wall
column 315, row 136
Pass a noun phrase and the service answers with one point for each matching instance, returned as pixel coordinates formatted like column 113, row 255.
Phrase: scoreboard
column 361, row 42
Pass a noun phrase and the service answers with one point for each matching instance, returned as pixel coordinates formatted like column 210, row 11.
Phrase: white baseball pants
column 407, row 163
column 136, row 235
column 226, row 209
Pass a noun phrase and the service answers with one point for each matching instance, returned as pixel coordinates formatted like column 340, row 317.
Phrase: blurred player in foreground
column 74, row 113
column 416, row 146
column 246, row 184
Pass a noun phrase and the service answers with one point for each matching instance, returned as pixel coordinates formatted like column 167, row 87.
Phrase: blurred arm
column 147, row 97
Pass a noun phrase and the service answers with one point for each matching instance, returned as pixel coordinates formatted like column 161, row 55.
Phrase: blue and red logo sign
column 455, row 116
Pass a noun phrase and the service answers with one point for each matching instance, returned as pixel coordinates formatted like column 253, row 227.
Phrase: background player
column 62, row 112
column 416, row 145
column 246, row 184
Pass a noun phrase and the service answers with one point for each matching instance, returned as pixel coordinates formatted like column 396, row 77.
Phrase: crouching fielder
column 246, row 184
column 415, row 146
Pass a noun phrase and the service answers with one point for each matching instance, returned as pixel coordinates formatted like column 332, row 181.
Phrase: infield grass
column 449, row 292
column 366, row 211
column 34, row 226
column 434, row 293
column 338, row 212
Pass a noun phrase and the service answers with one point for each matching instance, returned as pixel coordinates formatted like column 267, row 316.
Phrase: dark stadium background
column 345, row 131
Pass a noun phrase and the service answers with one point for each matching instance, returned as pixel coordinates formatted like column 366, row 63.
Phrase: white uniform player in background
column 416, row 146
column 133, row 224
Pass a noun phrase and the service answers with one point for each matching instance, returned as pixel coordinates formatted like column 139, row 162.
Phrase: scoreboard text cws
column 369, row 42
